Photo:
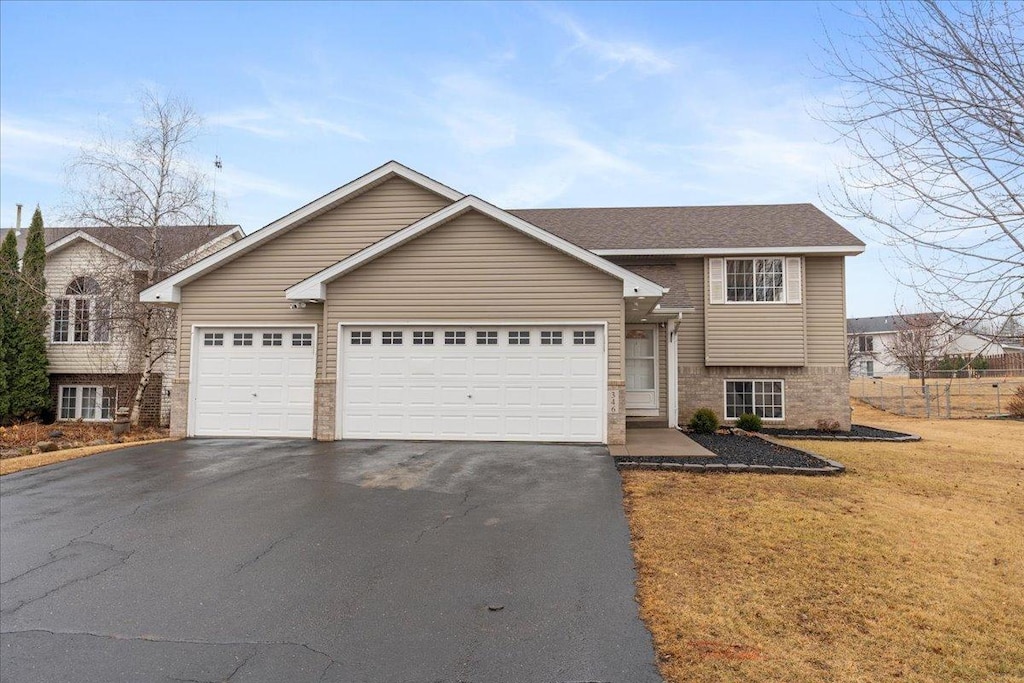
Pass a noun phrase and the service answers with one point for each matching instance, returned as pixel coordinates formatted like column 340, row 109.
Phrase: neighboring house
column 398, row 308
column 94, row 359
column 874, row 342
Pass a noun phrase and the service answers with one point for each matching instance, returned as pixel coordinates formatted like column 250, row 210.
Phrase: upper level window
column 756, row 280
column 82, row 315
column 865, row 343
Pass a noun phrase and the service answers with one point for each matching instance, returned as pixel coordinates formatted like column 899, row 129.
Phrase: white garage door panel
column 253, row 390
column 501, row 392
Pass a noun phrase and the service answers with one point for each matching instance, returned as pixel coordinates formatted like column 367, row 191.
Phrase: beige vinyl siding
column 826, row 316
column 250, row 289
column 83, row 258
column 474, row 268
column 769, row 334
column 690, row 338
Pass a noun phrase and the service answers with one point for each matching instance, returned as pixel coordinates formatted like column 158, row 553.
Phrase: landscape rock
column 98, row 442
column 56, row 434
column 46, row 446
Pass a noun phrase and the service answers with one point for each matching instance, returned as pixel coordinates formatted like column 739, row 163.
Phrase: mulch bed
column 856, row 433
column 738, row 452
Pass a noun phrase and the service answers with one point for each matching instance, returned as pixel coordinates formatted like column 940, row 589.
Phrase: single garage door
column 254, row 382
column 482, row 383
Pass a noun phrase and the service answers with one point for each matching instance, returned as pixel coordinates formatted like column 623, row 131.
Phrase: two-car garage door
column 486, row 383
column 449, row 382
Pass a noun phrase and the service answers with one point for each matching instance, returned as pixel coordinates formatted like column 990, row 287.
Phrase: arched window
column 82, row 315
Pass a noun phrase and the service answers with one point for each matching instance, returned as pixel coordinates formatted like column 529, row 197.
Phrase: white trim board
column 169, row 290
column 68, row 240
column 314, row 288
column 837, row 250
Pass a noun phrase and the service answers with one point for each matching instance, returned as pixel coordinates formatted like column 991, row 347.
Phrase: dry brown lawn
column 909, row 567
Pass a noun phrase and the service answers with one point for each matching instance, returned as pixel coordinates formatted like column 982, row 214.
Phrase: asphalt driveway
column 261, row 560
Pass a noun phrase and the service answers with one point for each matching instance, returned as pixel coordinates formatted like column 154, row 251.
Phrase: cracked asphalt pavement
column 268, row 560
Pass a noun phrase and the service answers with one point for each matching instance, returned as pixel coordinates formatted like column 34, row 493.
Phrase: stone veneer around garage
column 812, row 393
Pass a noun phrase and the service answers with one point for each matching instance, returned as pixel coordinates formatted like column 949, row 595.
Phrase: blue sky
column 523, row 104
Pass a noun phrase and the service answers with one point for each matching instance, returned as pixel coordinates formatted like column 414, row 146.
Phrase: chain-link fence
column 949, row 397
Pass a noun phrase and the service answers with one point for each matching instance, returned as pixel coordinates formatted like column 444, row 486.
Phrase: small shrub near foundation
column 749, row 422
column 704, row 421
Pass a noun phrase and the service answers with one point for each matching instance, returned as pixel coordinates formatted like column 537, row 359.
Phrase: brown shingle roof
column 667, row 275
column 694, row 227
column 175, row 240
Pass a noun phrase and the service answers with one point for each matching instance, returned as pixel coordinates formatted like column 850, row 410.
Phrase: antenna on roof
column 218, row 165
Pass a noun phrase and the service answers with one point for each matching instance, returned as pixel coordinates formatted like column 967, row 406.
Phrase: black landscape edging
column 723, row 466
column 816, row 435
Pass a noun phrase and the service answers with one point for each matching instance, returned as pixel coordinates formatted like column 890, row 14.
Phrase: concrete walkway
column 660, row 441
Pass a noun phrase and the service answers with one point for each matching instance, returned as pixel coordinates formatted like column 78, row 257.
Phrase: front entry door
column 641, row 369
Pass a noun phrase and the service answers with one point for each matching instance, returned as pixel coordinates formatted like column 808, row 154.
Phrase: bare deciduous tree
column 138, row 186
column 933, row 115
column 919, row 342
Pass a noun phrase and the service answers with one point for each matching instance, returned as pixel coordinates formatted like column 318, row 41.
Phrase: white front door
column 253, row 382
column 641, row 368
column 478, row 383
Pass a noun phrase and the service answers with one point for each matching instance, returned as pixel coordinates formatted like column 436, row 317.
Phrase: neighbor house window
column 242, row 339
column 760, row 397
column 487, row 337
column 81, row 315
column 422, row 338
column 87, row 403
column 392, row 338
column 272, row 338
column 550, row 338
column 865, row 343
column 454, row 337
column 361, row 338
column 758, row 280
column 868, row 367
column 584, row 337
column 303, row 338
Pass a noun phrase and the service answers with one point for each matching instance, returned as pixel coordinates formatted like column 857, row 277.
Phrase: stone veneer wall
column 325, row 409
column 617, row 418
column 812, row 393
column 125, row 383
column 179, row 408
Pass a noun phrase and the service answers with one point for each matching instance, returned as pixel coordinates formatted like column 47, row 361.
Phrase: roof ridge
column 663, row 206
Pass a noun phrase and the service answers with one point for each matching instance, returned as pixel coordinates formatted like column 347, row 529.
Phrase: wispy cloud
column 279, row 120
column 500, row 127
column 615, row 54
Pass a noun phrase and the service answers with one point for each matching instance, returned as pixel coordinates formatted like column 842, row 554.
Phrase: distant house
column 874, row 342
column 94, row 358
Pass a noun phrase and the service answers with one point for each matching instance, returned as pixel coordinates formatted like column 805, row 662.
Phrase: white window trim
column 725, row 280
column 93, row 299
column 78, row 403
column 725, row 396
